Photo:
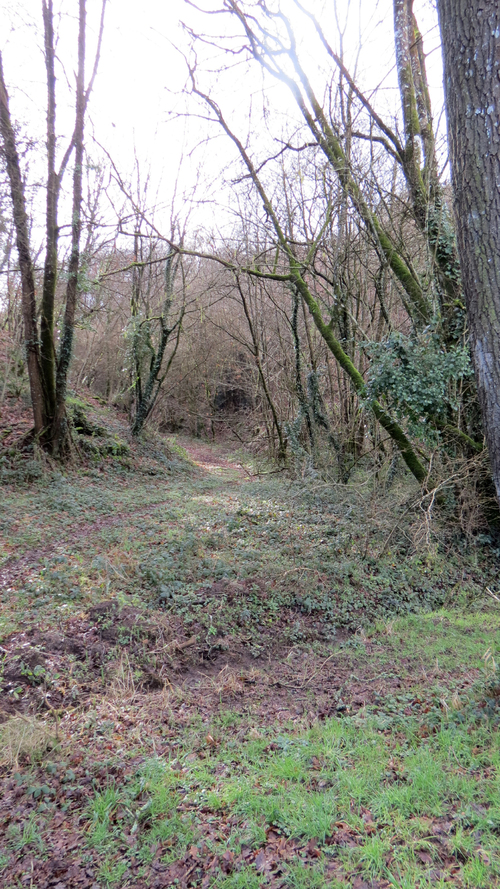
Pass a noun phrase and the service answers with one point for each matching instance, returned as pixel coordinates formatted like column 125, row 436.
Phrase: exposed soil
column 164, row 653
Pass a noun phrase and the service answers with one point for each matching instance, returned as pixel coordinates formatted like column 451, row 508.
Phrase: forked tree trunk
column 470, row 33
column 47, row 374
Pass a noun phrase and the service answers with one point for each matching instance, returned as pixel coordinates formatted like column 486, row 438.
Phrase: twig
column 492, row 595
column 175, row 646
column 307, row 681
column 395, row 526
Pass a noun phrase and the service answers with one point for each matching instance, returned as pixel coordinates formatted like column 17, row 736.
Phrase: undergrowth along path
column 211, row 678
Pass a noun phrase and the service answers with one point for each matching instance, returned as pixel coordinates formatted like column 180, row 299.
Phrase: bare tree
column 47, row 367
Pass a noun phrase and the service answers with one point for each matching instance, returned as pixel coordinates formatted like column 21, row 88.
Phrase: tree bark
column 60, row 431
column 470, row 33
column 48, row 356
column 21, row 224
column 48, row 377
column 145, row 398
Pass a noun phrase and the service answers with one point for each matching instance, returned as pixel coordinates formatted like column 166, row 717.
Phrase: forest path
column 198, row 642
column 213, row 458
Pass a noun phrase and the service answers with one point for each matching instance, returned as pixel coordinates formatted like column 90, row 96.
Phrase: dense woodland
column 327, row 329
column 250, row 452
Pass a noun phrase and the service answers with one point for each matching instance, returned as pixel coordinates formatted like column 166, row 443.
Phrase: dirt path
column 212, row 458
column 173, row 619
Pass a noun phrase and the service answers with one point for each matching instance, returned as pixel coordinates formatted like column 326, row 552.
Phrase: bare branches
column 397, row 149
column 87, row 93
column 197, row 254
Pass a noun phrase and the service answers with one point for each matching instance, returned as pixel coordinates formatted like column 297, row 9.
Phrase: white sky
column 138, row 90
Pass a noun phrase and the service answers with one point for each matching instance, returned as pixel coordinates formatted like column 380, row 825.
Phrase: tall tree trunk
column 48, row 378
column 48, row 357
column 21, row 224
column 470, row 32
column 60, row 431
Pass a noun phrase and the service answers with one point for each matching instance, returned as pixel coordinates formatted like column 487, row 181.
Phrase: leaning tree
column 430, row 288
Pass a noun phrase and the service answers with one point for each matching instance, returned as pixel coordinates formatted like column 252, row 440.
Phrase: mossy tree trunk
column 297, row 279
column 418, row 161
column 147, row 391
column 21, row 224
column 47, row 369
column 60, row 434
column 48, row 356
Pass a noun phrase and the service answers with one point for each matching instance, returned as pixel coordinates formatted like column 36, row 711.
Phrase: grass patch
column 342, row 799
column 299, row 556
column 23, row 737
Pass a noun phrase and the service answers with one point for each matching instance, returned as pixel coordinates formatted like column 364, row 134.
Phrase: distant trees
column 470, row 33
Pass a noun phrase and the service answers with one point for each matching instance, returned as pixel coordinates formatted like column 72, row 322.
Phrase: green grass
column 410, row 806
column 450, row 637
column 27, row 836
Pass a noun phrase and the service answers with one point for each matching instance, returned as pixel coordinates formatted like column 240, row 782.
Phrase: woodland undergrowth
column 215, row 673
